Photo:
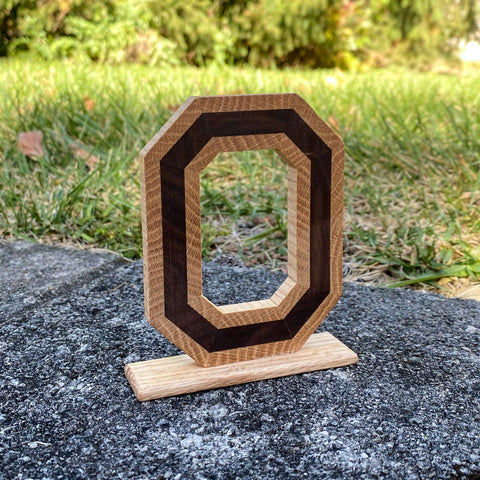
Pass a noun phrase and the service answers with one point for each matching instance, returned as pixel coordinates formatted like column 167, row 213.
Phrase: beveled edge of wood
column 149, row 158
column 298, row 280
column 170, row 376
column 180, row 121
column 334, row 142
column 210, row 359
column 150, row 147
column 193, row 106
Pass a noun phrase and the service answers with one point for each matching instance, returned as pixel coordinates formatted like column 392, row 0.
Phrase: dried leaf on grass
column 333, row 122
column 88, row 103
column 469, row 292
column 83, row 154
column 31, row 143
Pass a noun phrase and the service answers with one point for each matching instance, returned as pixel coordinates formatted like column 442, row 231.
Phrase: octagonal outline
column 297, row 282
column 151, row 216
column 174, row 203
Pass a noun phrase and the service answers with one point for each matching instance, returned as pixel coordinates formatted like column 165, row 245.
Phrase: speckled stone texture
column 410, row 409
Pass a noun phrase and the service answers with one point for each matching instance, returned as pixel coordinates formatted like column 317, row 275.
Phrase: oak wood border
column 165, row 377
column 319, row 301
column 292, row 289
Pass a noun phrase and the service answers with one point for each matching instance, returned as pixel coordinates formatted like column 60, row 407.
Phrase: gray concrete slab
column 30, row 272
column 410, row 409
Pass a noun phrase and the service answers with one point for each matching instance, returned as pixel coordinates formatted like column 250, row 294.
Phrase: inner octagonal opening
column 244, row 223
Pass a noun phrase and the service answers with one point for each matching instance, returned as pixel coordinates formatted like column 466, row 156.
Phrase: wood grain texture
column 172, row 174
column 212, row 336
column 178, row 375
column 298, row 233
column 334, row 143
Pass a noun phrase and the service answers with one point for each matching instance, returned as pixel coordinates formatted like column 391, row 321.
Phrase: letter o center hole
column 244, row 223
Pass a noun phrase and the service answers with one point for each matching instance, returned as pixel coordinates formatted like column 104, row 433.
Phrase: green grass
column 412, row 173
column 244, row 207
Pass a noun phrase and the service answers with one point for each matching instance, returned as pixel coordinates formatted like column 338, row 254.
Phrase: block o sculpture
column 215, row 336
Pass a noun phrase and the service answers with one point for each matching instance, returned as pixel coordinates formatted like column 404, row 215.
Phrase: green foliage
column 109, row 32
column 275, row 32
column 8, row 23
column 194, row 27
column 421, row 29
column 412, row 163
column 265, row 33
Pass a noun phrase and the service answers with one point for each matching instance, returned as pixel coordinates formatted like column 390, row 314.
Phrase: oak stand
column 247, row 341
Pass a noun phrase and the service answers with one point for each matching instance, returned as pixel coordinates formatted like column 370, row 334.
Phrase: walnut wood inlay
column 172, row 172
column 171, row 163
column 298, row 281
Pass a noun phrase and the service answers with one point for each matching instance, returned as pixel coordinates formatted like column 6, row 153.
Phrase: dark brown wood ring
column 172, row 166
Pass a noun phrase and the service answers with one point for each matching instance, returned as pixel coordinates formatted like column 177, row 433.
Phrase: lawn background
column 412, row 142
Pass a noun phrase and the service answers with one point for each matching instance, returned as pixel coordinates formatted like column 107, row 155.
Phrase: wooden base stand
column 170, row 376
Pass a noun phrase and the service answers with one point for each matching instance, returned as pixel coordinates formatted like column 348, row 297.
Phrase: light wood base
column 165, row 377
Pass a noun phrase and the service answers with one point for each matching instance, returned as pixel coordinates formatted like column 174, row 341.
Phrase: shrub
column 312, row 33
column 110, row 32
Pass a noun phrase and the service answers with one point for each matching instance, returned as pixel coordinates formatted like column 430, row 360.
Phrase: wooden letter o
column 170, row 166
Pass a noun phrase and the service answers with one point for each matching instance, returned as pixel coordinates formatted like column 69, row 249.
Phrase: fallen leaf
column 469, row 292
column 80, row 152
column 88, row 103
column 333, row 122
column 31, row 143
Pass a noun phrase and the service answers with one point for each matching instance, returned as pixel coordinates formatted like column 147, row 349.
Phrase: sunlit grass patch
column 244, row 208
column 412, row 170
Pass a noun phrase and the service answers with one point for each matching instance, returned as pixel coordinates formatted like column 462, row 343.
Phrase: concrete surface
column 410, row 409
